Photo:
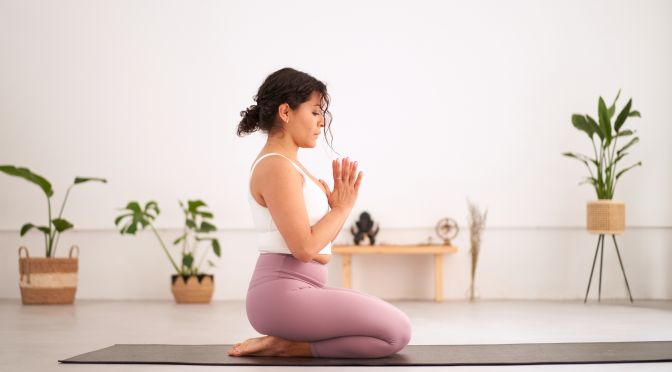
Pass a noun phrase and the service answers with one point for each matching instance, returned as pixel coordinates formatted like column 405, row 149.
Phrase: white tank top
column 269, row 239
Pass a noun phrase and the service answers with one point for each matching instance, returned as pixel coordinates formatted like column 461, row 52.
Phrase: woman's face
column 306, row 122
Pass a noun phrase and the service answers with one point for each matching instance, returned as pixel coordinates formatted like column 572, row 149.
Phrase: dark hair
column 289, row 86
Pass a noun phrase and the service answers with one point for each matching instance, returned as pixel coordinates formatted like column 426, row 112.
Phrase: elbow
column 302, row 254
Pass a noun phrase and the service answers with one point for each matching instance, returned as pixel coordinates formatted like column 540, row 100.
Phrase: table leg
column 438, row 277
column 347, row 271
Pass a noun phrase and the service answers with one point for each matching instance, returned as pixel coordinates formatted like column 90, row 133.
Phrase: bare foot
column 270, row 346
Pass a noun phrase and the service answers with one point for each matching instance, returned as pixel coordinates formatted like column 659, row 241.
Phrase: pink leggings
column 288, row 298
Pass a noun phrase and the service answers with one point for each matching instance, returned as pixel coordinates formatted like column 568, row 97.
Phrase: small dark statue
column 364, row 229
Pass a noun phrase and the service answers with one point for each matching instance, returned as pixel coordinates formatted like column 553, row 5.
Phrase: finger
column 336, row 165
column 345, row 169
column 353, row 173
column 359, row 180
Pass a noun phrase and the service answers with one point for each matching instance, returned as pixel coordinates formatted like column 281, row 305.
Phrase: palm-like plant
column 605, row 162
column 196, row 229
column 52, row 231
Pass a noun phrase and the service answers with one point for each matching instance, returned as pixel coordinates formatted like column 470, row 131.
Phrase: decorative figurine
column 364, row 232
column 447, row 229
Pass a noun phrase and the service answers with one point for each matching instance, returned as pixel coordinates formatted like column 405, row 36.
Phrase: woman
column 296, row 218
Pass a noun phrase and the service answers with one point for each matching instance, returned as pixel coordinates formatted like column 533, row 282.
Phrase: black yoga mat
column 411, row 355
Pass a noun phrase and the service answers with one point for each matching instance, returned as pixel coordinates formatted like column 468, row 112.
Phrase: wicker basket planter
column 48, row 281
column 605, row 217
column 195, row 289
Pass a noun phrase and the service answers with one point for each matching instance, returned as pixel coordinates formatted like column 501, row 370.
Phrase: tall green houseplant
column 54, row 226
column 604, row 136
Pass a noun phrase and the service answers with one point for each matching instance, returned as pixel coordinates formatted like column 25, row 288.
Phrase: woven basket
column 196, row 289
column 48, row 281
column 605, row 217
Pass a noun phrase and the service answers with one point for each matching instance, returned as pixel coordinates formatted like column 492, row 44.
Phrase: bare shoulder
column 272, row 171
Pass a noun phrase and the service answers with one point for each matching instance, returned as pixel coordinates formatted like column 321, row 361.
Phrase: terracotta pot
column 605, row 217
column 48, row 281
column 195, row 289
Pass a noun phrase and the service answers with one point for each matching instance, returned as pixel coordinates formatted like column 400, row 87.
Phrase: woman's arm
column 281, row 187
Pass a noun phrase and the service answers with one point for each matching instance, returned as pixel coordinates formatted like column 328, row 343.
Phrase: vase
column 605, row 217
column 194, row 289
column 48, row 280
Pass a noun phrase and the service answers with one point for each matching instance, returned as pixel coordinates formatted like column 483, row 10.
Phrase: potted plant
column 47, row 280
column 189, row 284
column 604, row 215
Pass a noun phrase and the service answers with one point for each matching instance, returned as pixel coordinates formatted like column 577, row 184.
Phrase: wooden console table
column 437, row 250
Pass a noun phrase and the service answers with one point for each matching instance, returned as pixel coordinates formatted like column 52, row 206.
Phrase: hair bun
column 250, row 120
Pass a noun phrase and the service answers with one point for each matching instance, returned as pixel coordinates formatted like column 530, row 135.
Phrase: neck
column 282, row 145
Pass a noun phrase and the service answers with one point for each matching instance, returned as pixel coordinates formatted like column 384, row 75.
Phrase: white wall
column 439, row 102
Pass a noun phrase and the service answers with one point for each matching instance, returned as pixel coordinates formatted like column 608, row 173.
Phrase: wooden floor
column 35, row 337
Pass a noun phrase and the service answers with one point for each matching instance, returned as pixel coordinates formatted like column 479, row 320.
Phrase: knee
column 402, row 334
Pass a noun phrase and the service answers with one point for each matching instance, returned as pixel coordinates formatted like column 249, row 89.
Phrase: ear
column 283, row 112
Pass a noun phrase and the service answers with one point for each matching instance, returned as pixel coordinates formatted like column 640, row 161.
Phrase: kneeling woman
column 296, row 218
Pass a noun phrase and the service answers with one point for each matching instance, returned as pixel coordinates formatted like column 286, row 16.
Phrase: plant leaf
column 152, row 205
column 216, row 248
column 605, row 123
column 61, row 224
column 85, row 179
column 26, row 174
column 181, row 238
column 625, row 133
column 612, row 108
column 188, row 260
column 580, row 123
column 207, row 227
column 44, row 229
column 620, row 120
column 194, row 204
column 25, row 228
column 118, row 219
column 205, row 214
column 632, row 142
column 596, row 128
column 619, row 174
column 634, row 113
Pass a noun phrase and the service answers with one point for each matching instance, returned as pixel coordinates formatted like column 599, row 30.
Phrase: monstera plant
column 47, row 280
column 189, row 283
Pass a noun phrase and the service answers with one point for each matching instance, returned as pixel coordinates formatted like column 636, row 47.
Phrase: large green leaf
column 620, row 120
column 596, row 128
column 61, row 224
column 580, row 123
column 26, row 174
column 605, row 123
